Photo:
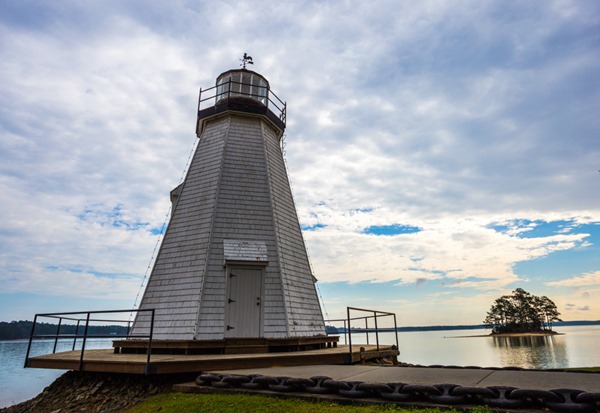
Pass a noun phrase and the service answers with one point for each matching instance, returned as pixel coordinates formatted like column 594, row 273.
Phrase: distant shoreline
column 410, row 329
column 20, row 330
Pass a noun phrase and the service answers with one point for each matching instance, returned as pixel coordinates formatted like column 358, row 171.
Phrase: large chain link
column 559, row 400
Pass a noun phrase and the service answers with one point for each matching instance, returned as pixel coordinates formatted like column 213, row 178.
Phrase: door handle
column 230, row 301
column 230, row 328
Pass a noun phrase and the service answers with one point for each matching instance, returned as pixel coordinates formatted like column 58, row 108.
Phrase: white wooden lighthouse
column 233, row 263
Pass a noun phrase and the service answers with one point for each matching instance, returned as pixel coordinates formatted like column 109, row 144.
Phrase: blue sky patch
column 312, row 227
column 536, row 228
column 158, row 231
column 362, row 210
column 104, row 216
column 569, row 263
column 436, row 272
column 80, row 270
column 394, row 229
column 542, row 229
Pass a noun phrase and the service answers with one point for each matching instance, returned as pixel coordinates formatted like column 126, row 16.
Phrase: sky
column 441, row 153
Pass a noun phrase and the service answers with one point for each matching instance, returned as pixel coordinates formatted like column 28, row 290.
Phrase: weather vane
column 246, row 60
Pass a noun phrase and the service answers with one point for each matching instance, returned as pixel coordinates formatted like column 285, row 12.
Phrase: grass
column 584, row 369
column 240, row 403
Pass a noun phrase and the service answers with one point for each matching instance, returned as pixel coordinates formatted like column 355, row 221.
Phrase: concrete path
column 523, row 379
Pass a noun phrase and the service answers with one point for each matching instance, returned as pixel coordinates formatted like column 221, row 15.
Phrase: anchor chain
column 558, row 400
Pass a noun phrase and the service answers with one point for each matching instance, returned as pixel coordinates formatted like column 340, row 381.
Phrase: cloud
column 586, row 280
column 453, row 248
column 455, row 118
column 420, row 281
column 572, row 307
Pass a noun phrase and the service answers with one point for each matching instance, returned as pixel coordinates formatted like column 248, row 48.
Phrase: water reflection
column 538, row 352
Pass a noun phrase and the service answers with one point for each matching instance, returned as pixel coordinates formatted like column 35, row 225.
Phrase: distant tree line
column 521, row 312
column 22, row 329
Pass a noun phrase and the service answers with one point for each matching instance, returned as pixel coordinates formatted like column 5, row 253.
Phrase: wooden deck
column 109, row 362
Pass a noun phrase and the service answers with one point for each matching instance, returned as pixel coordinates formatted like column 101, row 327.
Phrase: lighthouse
column 233, row 262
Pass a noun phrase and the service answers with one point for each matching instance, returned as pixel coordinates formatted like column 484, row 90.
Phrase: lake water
column 579, row 347
column 18, row 384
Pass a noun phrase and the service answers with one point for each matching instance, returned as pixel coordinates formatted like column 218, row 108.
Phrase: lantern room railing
column 224, row 91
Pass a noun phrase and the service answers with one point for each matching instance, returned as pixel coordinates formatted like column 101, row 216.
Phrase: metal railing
column 211, row 96
column 375, row 328
column 79, row 317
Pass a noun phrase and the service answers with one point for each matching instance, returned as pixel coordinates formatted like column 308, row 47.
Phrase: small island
column 522, row 314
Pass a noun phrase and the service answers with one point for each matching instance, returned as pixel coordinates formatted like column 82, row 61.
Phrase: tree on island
column 521, row 312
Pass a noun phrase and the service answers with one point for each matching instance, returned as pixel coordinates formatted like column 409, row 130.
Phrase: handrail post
column 376, row 330
column 367, row 329
column 197, row 116
column 349, row 332
column 284, row 112
column 268, row 96
column 147, row 368
column 57, row 334
column 396, row 331
column 30, row 340
column 76, row 333
column 85, row 331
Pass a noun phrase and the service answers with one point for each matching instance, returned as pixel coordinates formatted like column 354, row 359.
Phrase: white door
column 244, row 288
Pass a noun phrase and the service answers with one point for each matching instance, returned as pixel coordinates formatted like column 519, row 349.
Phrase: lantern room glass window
column 243, row 84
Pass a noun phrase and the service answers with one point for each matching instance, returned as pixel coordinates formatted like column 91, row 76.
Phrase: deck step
column 245, row 349
column 239, row 345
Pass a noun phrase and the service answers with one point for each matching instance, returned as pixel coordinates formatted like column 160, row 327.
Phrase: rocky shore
column 96, row 392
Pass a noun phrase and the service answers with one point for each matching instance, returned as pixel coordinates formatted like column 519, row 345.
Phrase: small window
column 223, row 87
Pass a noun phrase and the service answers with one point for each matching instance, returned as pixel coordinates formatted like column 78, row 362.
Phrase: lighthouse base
column 226, row 346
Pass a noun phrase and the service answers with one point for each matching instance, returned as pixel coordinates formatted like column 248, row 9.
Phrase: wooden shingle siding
column 237, row 190
column 304, row 316
column 182, row 256
column 243, row 212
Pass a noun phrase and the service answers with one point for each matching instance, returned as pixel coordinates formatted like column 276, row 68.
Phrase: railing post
column 85, row 331
column 268, row 97
column 30, row 340
column 367, row 329
column 396, row 331
column 76, row 333
column 147, row 368
column 57, row 334
column 349, row 332
column 376, row 330
column 284, row 112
